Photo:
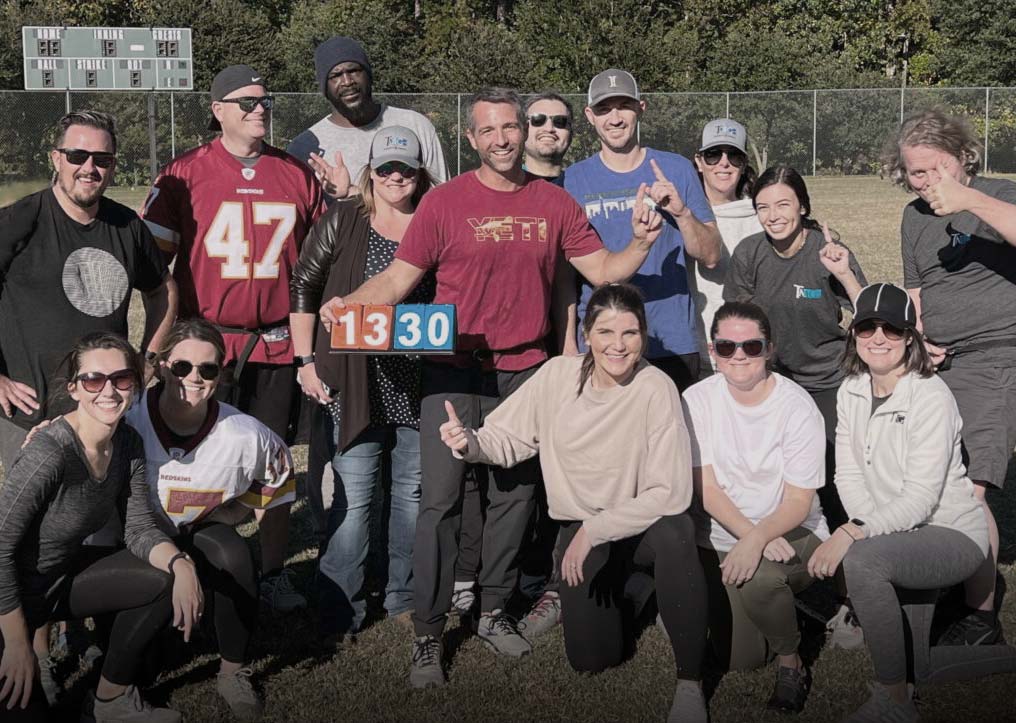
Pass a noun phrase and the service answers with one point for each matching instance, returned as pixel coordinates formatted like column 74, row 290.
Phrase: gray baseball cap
column 612, row 83
column 395, row 143
column 724, row 132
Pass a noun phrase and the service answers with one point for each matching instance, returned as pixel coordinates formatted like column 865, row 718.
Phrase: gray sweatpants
column 907, row 569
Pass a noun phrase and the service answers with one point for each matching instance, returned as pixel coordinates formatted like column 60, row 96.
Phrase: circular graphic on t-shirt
column 95, row 282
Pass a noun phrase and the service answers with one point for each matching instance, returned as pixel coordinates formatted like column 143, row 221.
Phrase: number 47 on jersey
column 406, row 328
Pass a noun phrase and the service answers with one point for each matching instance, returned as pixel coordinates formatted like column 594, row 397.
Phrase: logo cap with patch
column 612, row 83
column 395, row 143
column 229, row 79
column 724, row 132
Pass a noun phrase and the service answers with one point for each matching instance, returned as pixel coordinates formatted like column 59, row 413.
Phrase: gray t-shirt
column 324, row 138
column 966, row 273
column 803, row 301
column 50, row 503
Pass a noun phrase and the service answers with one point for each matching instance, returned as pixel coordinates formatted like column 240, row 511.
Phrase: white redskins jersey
column 232, row 456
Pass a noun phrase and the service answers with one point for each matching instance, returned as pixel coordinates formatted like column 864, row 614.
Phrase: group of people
column 672, row 390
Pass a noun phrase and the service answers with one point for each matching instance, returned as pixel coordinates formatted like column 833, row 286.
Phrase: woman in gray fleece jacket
column 64, row 486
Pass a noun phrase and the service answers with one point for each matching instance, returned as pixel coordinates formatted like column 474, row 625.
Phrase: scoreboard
column 63, row 58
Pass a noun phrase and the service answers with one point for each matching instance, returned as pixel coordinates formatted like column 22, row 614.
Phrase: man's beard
column 359, row 115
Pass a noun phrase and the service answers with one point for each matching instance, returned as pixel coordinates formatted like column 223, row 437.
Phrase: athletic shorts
column 986, row 398
column 267, row 392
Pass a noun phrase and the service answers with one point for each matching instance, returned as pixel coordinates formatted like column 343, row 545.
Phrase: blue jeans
column 343, row 558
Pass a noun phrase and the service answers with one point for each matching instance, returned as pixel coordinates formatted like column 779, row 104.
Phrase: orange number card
column 346, row 333
column 376, row 331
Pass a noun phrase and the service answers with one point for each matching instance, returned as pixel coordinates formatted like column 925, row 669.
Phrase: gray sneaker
column 546, row 613
column 426, row 670
column 48, row 682
column 128, row 708
column 880, row 708
column 689, row 704
column 500, row 633
column 238, row 691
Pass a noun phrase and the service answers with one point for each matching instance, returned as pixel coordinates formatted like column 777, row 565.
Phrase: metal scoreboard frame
column 91, row 58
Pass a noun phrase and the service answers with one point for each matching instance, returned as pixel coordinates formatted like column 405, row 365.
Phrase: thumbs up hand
column 948, row 196
column 453, row 434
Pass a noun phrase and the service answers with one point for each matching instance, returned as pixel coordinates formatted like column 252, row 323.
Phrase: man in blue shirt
column 605, row 185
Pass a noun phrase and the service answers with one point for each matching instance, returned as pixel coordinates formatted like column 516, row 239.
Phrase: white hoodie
column 736, row 220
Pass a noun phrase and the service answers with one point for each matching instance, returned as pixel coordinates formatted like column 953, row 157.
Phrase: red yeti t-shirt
column 236, row 234
column 494, row 253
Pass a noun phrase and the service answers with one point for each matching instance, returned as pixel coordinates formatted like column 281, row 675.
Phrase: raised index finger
column 657, row 172
column 452, row 416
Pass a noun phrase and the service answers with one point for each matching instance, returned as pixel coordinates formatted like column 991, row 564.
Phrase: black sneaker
column 973, row 630
column 791, row 690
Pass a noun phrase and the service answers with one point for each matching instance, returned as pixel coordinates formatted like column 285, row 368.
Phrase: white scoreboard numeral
column 438, row 329
column 378, row 324
column 413, row 334
column 348, row 321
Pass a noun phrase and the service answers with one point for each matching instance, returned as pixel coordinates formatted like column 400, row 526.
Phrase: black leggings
column 225, row 568
column 593, row 612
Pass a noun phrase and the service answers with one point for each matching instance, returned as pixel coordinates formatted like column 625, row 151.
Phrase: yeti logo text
column 801, row 292
column 509, row 228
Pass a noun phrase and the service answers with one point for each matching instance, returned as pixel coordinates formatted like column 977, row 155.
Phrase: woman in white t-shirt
column 758, row 449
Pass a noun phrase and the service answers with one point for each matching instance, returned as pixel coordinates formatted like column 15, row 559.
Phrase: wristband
column 845, row 532
column 173, row 559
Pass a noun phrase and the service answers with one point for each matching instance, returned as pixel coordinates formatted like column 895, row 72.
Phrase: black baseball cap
column 229, row 79
column 885, row 302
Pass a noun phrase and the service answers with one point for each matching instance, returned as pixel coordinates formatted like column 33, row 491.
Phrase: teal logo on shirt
column 802, row 292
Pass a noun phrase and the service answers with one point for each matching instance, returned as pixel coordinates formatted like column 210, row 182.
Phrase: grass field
column 368, row 680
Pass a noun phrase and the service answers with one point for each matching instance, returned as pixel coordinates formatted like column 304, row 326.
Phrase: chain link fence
column 820, row 132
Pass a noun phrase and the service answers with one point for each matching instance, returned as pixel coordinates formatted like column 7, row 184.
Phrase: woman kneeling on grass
column 916, row 525
column 67, row 482
column 616, row 463
column 758, row 445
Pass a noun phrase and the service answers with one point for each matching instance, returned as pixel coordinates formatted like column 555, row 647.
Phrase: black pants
column 104, row 584
column 267, row 392
column 226, row 569
column 509, row 496
column 835, row 515
column 593, row 613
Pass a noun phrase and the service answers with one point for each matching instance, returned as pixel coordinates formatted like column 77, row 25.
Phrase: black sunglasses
column 123, row 380
column 537, row 120
column 78, row 157
column 387, row 169
column 207, row 370
column 752, row 347
column 249, row 102
column 866, row 330
column 712, row 156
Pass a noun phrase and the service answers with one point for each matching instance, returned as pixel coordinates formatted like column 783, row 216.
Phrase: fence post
column 172, row 125
column 458, row 133
column 814, row 132
column 987, row 121
column 153, row 159
column 67, row 101
column 727, row 115
column 903, row 90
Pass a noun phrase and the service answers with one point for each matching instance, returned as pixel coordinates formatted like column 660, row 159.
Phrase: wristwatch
column 859, row 524
column 302, row 361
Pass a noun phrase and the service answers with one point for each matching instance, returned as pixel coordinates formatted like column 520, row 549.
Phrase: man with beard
column 69, row 258
column 550, row 135
column 337, row 147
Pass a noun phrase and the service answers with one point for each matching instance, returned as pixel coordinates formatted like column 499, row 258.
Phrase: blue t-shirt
column 607, row 198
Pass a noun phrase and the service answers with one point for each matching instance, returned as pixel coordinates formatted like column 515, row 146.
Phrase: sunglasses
column 538, row 120
column 78, row 157
column 207, row 370
column 866, row 330
column 249, row 102
column 712, row 156
column 726, row 348
column 387, row 169
column 94, row 382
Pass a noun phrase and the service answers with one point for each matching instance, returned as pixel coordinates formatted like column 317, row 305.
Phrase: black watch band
column 302, row 361
column 856, row 522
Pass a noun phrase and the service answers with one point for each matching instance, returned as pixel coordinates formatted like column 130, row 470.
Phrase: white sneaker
column 463, row 600
column 278, row 593
column 127, row 708
column 238, row 691
column 844, row 629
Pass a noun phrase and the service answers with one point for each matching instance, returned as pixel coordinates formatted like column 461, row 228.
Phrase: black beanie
column 333, row 51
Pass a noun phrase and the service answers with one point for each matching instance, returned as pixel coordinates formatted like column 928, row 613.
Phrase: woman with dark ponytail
column 616, row 461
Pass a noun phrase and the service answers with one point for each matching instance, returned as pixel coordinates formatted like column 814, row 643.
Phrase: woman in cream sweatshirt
column 616, row 462
column 915, row 525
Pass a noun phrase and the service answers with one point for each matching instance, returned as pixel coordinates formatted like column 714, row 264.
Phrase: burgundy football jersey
column 236, row 233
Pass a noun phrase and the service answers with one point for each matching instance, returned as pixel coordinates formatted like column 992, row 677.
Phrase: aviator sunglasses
column 94, row 382
column 207, row 370
column 249, row 102
column 752, row 347
column 78, row 157
column 712, row 156
column 387, row 169
column 866, row 330
column 537, row 120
